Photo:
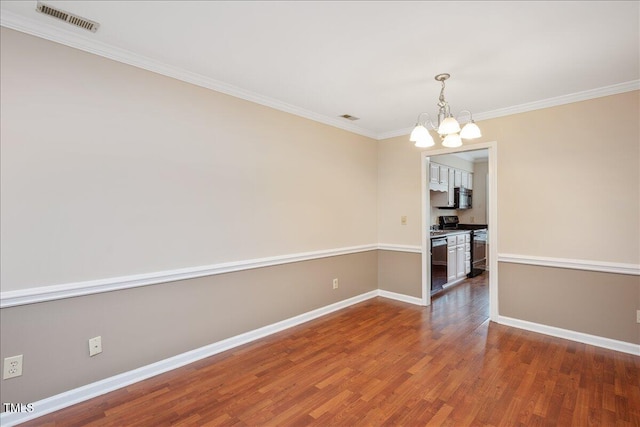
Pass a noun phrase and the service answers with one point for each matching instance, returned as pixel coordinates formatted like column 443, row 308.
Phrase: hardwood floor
column 383, row 362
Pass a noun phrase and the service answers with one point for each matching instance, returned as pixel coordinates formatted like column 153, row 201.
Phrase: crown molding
column 86, row 43
column 538, row 105
column 561, row 100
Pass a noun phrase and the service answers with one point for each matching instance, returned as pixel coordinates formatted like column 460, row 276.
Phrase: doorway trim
column 492, row 222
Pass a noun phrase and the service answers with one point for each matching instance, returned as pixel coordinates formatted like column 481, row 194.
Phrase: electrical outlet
column 95, row 346
column 335, row 283
column 12, row 367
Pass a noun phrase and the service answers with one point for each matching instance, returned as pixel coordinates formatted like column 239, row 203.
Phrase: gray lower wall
column 140, row 326
column 143, row 325
column 400, row 272
column 601, row 304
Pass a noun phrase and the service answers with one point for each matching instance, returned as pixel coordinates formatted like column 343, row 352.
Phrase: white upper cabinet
column 438, row 177
column 434, row 173
column 451, row 200
column 444, row 175
column 445, row 178
column 463, row 179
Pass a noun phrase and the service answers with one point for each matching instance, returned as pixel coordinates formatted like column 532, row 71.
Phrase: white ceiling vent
column 72, row 19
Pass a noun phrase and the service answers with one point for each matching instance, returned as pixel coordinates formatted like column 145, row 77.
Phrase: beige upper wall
column 110, row 170
column 478, row 213
column 568, row 181
column 399, row 173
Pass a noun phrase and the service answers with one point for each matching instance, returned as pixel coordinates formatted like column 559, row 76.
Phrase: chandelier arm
column 465, row 111
column 428, row 122
column 448, row 126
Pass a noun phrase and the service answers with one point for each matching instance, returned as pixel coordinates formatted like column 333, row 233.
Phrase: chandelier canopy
column 448, row 126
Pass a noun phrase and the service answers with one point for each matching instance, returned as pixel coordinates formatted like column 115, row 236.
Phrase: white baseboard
column 89, row 391
column 401, row 297
column 622, row 346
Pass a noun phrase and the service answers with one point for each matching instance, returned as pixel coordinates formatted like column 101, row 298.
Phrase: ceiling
column 371, row 59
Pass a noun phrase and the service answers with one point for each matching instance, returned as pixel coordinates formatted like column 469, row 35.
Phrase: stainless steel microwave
column 462, row 198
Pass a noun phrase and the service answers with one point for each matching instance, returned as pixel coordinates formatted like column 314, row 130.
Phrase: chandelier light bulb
column 421, row 137
column 470, row 131
column 452, row 141
column 449, row 126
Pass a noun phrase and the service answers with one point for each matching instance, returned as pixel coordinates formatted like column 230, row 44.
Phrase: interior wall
column 144, row 325
column 400, row 272
column 478, row 214
column 568, row 188
column 399, row 176
column 602, row 304
column 563, row 175
column 109, row 170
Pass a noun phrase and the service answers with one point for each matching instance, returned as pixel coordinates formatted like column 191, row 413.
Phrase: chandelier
column 448, row 127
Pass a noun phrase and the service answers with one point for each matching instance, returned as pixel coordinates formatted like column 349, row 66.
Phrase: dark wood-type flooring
column 386, row 363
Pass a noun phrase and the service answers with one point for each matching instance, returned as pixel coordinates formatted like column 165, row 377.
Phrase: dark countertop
column 472, row 226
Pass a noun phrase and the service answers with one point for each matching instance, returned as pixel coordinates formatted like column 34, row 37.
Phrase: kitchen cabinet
column 438, row 177
column 445, row 179
column 458, row 257
column 438, row 174
column 444, row 175
column 463, row 255
column 451, row 199
column 434, row 173
column 451, row 259
column 463, row 179
column 460, row 261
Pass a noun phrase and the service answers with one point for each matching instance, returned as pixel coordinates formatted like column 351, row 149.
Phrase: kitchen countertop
column 444, row 233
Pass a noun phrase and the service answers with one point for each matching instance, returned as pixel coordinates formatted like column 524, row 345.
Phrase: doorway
column 490, row 216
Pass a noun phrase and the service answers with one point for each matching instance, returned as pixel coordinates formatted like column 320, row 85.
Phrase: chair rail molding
column 574, row 264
